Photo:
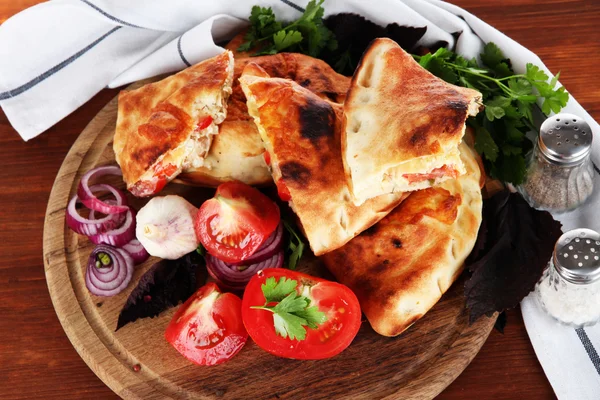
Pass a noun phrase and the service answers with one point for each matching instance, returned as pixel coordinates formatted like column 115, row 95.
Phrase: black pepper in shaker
column 560, row 174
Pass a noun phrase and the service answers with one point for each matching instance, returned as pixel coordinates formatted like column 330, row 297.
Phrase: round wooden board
column 418, row 364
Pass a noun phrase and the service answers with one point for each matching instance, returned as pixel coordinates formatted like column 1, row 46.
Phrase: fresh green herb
column 293, row 312
column 307, row 35
column 295, row 246
column 201, row 250
column 510, row 102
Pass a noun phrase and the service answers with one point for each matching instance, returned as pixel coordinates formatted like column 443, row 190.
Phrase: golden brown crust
column 239, row 127
column 302, row 132
column 400, row 267
column 397, row 111
column 160, row 116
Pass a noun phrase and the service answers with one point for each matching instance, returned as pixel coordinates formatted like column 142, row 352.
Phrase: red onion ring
column 137, row 251
column 235, row 277
column 91, row 226
column 267, row 249
column 87, row 197
column 118, row 236
column 110, row 279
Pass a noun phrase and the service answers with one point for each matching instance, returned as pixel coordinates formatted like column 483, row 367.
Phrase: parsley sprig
column 307, row 34
column 510, row 103
column 293, row 311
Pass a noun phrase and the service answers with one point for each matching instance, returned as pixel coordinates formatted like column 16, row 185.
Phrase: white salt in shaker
column 560, row 174
column 570, row 288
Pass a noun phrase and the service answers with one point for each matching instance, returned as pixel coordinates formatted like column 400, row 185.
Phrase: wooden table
column 38, row 361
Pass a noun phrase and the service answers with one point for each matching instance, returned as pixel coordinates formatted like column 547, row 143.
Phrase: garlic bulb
column 165, row 227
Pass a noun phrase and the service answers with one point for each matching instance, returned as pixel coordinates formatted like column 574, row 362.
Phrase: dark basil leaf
column 164, row 285
column 354, row 33
column 514, row 247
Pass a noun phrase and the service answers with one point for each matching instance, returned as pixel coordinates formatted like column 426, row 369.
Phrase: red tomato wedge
column 331, row 337
column 207, row 329
column 236, row 222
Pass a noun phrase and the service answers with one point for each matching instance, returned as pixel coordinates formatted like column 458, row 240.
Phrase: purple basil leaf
column 515, row 244
column 164, row 285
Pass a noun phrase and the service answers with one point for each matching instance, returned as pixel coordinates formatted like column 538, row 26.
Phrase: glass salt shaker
column 569, row 290
column 560, row 174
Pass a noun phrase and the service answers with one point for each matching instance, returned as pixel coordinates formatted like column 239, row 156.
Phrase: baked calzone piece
column 237, row 151
column 167, row 126
column 402, row 124
column 401, row 267
column 301, row 133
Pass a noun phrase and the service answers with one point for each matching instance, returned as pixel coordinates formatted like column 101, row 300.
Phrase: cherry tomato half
column 337, row 301
column 207, row 329
column 236, row 222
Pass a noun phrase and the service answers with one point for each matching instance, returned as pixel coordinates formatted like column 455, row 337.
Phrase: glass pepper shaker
column 569, row 290
column 560, row 174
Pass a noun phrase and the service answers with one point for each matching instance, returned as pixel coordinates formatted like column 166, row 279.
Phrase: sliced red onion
column 87, row 196
column 137, row 251
column 267, row 249
column 92, row 214
column 92, row 226
column 109, row 270
column 236, row 277
column 119, row 236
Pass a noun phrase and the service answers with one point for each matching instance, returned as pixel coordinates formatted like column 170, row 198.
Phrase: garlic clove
column 165, row 227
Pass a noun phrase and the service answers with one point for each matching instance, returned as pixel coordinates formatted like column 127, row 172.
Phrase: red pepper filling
column 446, row 170
column 283, row 191
column 204, row 123
column 162, row 175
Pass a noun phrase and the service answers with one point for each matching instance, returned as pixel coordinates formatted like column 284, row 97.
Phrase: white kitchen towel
column 57, row 55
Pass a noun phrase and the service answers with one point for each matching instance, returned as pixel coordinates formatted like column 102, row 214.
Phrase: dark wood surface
column 38, row 361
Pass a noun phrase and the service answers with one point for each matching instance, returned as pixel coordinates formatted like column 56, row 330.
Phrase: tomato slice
column 236, row 222
column 337, row 301
column 446, row 170
column 207, row 329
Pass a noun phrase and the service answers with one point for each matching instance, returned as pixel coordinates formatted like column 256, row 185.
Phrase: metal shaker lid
column 565, row 138
column 577, row 256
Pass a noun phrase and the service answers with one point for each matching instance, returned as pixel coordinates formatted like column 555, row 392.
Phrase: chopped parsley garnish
column 293, row 311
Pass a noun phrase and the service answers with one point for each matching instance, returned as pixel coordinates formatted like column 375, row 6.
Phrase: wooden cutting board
column 137, row 363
